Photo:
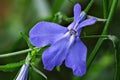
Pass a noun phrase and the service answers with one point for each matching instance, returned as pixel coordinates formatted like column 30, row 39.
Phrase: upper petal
column 87, row 22
column 76, row 58
column 76, row 22
column 77, row 11
column 71, row 25
column 45, row 33
column 55, row 55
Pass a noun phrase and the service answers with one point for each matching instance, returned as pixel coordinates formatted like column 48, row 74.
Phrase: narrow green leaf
column 11, row 66
column 116, row 44
column 27, row 40
column 39, row 72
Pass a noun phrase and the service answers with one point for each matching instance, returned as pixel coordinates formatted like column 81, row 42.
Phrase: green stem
column 14, row 53
column 96, row 36
column 89, row 6
column 94, row 52
column 105, row 8
column 28, row 58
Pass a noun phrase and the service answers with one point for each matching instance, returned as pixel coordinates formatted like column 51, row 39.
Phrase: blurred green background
column 21, row 15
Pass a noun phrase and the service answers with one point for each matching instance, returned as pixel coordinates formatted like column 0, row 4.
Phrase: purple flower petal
column 76, row 58
column 87, row 22
column 71, row 25
column 77, row 11
column 45, row 33
column 76, row 22
column 23, row 72
column 56, row 54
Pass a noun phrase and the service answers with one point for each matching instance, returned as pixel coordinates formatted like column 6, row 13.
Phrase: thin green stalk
column 105, row 30
column 14, row 53
column 105, row 8
column 96, row 36
column 89, row 6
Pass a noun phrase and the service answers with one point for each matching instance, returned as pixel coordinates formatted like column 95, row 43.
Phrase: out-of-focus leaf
column 11, row 66
column 57, row 5
column 72, row 2
column 42, row 7
column 99, row 68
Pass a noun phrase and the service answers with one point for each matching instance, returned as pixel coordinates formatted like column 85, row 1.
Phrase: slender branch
column 96, row 36
column 105, row 8
column 14, row 53
column 89, row 6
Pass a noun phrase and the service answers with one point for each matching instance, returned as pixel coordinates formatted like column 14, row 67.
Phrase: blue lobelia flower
column 23, row 72
column 65, row 42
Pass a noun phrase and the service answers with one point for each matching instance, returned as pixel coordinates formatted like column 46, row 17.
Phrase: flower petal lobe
column 87, row 22
column 77, row 11
column 45, row 33
column 76, row 58
column 56, row 54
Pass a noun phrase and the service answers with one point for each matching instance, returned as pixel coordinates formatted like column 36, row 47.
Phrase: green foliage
column 39, row 72
column 27, row 40
column 105, row 31
column 57, row 5
column 11, row 66
column 116, row 44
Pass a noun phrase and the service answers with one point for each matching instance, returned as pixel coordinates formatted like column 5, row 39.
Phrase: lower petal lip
column 55, row 55
column 76, row 59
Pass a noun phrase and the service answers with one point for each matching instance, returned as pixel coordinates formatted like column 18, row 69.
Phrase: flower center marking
column 72, row 32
